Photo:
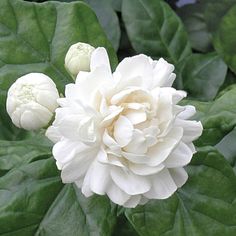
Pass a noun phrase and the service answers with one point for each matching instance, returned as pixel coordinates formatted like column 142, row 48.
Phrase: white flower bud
column 78, row 58
column 31, row 101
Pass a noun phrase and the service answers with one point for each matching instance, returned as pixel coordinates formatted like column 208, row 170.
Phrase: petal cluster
column 31, row 101
column 123, row 134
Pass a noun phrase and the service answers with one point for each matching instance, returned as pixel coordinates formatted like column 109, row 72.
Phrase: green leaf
column 218, row 117
column 206, row 205
column 36, row 37
column 214, row 12
column 229, row 80
column 193, row 18
column 108, row 19
column 227, row 148
column 116, row 4
column 33, row 201
column 123, row 227
column 203, row 75
column 154, row 29
column 225, row 40
column 106, row 15
column 15, row 153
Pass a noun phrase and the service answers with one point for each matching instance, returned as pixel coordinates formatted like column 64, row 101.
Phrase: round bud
column 31, row 101
column 78, row 58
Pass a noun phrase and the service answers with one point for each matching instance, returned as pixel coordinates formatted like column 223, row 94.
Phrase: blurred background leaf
column 193, row 17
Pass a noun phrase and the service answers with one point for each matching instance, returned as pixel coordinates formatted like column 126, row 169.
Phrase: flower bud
column 31, row 101
column 78, row 58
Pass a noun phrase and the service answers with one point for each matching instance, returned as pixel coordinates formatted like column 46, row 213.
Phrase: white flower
column 31, row 101
column 123, row 134
column 78, row 58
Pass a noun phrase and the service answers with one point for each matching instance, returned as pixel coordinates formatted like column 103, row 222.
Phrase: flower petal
column 136, row 66
column 136, row 116
column 130, row 183
column 163, row 74
column 138, row 143
column 192, row 129
column 99, row 176
column 159, row 152
column 188, row 112
column 86, row 87
column 181, row 156
column 78, row 166
column 123, row 131
column 116, row 194
column 99, row 58
column 144, row 169
column 163, row 186
column 179, row 175
column 133, row 201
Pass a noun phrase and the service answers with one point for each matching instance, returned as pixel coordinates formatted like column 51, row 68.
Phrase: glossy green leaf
column 225, row 40
column 35, row 38
column 16, row 153
column 203, row 75
column 193, row 18
column 206, row 205
column 106, row 16
column 33, row 201
column 154, row 29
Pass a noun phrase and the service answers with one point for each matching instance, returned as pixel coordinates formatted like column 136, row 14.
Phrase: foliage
column 198, row 39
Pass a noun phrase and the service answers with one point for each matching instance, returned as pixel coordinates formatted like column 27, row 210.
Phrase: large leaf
column 106, row 16
column 155, row 29
column 108, row 19
column 35, row 38
column 206, row 205
column 194, row 20
column 215, row 11
column 33, row 201
column 203, row 75
column 15, row 153
column 225, row 40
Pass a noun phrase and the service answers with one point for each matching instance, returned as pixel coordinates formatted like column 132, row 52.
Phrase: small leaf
column 154, row 29
column 206, row 205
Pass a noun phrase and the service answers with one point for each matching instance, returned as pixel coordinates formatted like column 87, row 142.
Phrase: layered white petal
column 163, row 186
column 128, row 182
column 124, row 134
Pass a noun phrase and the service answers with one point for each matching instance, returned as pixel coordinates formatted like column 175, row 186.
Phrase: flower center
column 26, row 94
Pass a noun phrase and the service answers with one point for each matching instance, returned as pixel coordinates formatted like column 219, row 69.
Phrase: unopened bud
column 78, row 58
column 31, row 101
